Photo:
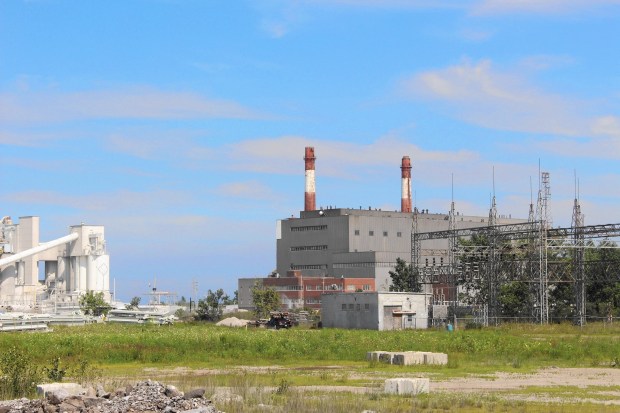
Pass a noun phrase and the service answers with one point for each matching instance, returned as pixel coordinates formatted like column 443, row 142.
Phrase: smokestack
column 310, row 195
column 405, row 201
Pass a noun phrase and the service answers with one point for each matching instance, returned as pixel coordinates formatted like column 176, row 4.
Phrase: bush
column 55, row 373
column 19, row 375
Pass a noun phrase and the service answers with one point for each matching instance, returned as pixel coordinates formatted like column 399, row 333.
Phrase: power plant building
column 362, row 243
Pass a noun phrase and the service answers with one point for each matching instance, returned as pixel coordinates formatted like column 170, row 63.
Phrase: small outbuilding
column 375, row 310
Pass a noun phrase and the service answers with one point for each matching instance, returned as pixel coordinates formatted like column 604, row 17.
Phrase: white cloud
column 482, row 95
column 27, row 139
column 131, row 103
column 539, row 6
column 124, row 201
column 336, row 158
column 251, row 190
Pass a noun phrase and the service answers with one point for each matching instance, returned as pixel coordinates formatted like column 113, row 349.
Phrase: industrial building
column 361, row 243
column 35, row 274
column 375, row 310
column 297, row 291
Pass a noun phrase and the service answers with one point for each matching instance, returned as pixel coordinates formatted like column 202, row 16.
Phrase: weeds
column 283, row 387
column 19, row 375
column 55, row 373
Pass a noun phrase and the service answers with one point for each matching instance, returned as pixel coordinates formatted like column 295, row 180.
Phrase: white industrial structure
column 70, row 265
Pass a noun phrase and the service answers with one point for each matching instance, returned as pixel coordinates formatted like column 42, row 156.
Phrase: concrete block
column 386, row 357
column 373, row 355
column 409, row 358
column 64, row 389
column 440, row 359
column 407, row 386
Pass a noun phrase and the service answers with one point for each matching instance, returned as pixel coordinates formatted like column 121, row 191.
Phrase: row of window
column 310, row 248
column 309, row 267
column 288, row 288
column 355, row 307
column 372, row 233
column 365, row 265
column 309, row 228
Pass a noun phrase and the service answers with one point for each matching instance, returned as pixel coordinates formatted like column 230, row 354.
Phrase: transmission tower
column 578, row 264
column 415, row 248
column 452, row 248
column 544, row 216
column 492, row 278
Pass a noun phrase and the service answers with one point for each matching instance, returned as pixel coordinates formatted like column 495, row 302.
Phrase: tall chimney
column 405, row 201
column 310, row 195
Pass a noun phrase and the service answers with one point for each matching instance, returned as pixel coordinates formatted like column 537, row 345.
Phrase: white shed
column 375, row 310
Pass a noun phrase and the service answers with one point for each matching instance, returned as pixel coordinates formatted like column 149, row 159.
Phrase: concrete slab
column 407, row 386
column 61, row 389
column 408, row 358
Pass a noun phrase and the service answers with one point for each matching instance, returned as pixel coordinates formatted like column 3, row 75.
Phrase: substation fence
column 530, row 253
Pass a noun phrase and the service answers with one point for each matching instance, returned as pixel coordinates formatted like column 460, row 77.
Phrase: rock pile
column 147, row 396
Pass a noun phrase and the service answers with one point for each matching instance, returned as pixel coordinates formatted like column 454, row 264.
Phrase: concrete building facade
column 360, row 243
column 375, row 310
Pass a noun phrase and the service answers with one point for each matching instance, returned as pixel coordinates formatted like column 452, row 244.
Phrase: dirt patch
column 578, row 377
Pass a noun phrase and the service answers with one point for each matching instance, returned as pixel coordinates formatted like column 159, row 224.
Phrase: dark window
column 399, row 234
column 385, row 234
column 357, row 232
column 371, row 233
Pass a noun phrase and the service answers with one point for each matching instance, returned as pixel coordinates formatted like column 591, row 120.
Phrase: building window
column 399, row 234
column 427, row 262
column 366, row 307
column 366, row 287
column 308, row 267
column 441, row 260
column 350, row 307
column 309, row 228
column 357, row 232
column 344, row 307
column 371, row 233
column 357, row 307
column 309, row 248
column 385, row 234
column 433, row 261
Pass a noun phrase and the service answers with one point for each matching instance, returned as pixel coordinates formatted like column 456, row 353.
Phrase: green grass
column 519, row 347
column 286, row 359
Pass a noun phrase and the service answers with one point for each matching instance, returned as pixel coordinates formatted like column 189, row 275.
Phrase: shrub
column 19, row 375
column 55, row 373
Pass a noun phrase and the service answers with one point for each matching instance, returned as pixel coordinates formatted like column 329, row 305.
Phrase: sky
column 180, row 125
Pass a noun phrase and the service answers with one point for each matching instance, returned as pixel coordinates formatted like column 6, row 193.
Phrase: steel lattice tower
column 544, row 216
column 578, row 264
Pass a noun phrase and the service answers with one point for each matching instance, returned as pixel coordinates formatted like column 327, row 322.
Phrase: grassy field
column 267, row 366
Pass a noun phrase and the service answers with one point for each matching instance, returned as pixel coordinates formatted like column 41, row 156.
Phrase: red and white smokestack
column 310, row 195
column 405, row 168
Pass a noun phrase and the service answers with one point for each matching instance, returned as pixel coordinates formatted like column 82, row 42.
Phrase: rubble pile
column 146, row 396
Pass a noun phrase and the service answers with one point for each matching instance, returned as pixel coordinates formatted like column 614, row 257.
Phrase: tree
column 133, row 304
column 515, row 299
column 265, row 300
column 210, row 308
column 404, row 277
column 93, row 304
column 232, row 301
column 603, row 294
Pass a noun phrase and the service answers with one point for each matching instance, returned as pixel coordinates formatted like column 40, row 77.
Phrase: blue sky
column 180, row 125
